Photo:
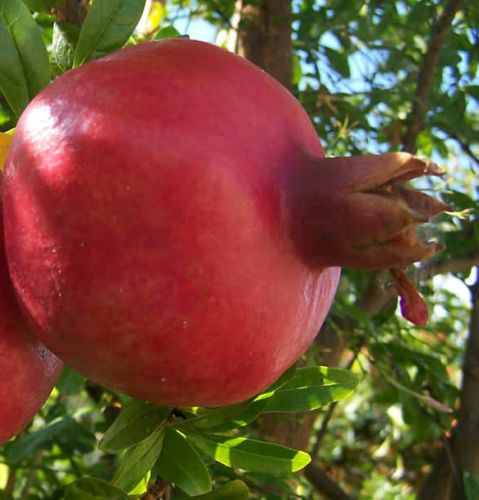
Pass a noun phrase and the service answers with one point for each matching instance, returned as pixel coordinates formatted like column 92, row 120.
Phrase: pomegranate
column 28, row 371
column 174, row 232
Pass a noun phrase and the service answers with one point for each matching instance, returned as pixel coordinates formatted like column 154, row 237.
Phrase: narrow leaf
column 90, row 488
column 23, row 55
column 339, row 61
column 167, row 32
column 107, row 27
column 250, row 455
column 134, row 424
column 473, row 90
column 142, row 486
column 234, row 490
column 310, row 389
column 39, row 5
column 70, row 382
column 181, row 464
column 304, row 389
column 250, row 413
column 138, row 461
column 65, row 37
column 471, row 485
column 25, row 446
column 207, row 418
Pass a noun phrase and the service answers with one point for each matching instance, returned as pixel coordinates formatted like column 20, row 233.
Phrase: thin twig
column 439, row 33
column 31, row 476
column 11, row 481
column 464, row 145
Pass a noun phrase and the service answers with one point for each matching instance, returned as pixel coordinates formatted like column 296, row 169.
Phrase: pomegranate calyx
column 353, row 212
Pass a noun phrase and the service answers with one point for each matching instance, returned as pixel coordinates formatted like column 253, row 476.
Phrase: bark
column 264, row 36
column 324, row 484
column 466, row 440
column 439, row 34
column 293, row 430
column 441, row 480
column 461, row 452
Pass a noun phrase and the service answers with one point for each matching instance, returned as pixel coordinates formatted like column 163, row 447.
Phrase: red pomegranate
column 28, row 371
column 174, row 232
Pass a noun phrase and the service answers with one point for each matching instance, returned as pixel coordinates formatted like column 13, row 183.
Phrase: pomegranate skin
column 146, row 226
column 28, row 371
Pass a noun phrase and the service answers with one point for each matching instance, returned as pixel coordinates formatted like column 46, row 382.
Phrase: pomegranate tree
column 173, row 230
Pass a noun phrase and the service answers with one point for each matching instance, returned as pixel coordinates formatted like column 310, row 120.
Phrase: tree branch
column 11, row 481
column 378, row 295
column 455, row 265
column 31, row 476
column 439, row 33
column 324, row 484
column 464, row 146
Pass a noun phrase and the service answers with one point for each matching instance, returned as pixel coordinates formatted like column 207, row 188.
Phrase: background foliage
column 374, row 76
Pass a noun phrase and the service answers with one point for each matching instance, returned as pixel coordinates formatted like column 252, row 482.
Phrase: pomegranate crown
column 356, row 212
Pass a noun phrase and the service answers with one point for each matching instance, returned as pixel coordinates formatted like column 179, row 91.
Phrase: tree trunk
column 466, row 440
column 264, row 36
column 461, row 453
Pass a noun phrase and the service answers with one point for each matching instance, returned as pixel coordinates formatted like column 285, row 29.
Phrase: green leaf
column 107, row 26
column 26, row 445
column 297, row 70
column 70, row 382
column 65, row 37
column 233, row 416
column 234, row 490
column 207, row 418
column 23, row 55
column 250, row 413
column 339, row 61
column 473, row 90
column 458, row 200
column 180, row 463
column 138, row 461
column 134, row 424
column 309, row 389
column 142, row 486
column 471, row 486
column 39, row 5
column 305, row 389
column 90, row 488
column 167, row 32
column 249, row 454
